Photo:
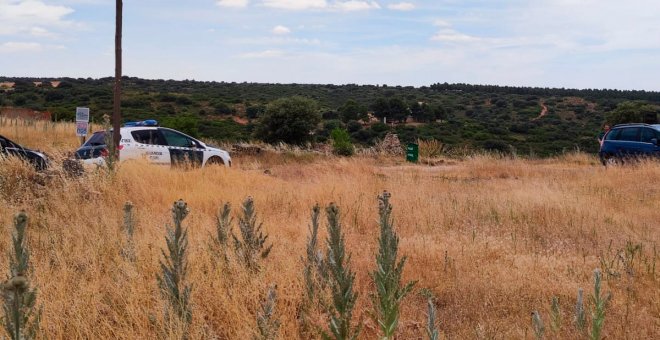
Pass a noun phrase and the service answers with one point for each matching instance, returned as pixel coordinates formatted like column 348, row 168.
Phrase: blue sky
column 554, row 43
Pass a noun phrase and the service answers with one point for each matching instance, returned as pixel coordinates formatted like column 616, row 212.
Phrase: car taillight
column 120, row 147
column 104, row 153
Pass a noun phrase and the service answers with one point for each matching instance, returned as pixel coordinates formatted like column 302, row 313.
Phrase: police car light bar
column 148, row 122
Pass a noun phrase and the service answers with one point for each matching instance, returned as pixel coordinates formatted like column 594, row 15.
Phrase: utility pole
column 116, row 112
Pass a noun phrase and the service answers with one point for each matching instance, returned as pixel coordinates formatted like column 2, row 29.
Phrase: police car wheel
column 215, row 161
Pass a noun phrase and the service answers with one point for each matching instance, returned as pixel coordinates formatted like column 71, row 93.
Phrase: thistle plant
column 172, row 279
column 223, row 230
column 314, row 273
column 580, row 318
column 21, row 319
column 555, row 314
column 431, row 325
column 251, row 247
column 537, row 323
column 600, row 303
column 387, row 276
column 267, row 323
column 129, row 228
column 341, row 280
column 314, row 259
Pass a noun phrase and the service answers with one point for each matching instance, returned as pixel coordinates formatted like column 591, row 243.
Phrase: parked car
column 628, row 141
column 159, row 145
column 36, row 158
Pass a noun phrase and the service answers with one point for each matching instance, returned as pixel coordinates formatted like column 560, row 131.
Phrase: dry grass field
column 490, row 239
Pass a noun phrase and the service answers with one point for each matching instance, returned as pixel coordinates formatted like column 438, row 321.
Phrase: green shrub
column 341, row 142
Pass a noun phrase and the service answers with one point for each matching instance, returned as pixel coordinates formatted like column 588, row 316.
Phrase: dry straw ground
column 490, row 239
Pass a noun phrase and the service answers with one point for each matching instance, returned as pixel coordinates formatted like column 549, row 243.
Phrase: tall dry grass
column 490, row 238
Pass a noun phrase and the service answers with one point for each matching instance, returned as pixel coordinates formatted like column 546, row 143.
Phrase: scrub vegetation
column 488, row 240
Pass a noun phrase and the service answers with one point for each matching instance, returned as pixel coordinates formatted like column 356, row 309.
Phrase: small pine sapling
column 341, row 281
column 387, row 276
column 21, row 319
column 251, row 247
column 172, row 279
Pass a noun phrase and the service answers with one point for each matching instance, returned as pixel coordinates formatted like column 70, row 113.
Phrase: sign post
column 82, row 123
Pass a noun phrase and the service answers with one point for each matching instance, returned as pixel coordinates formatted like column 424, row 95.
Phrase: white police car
column 159, row 145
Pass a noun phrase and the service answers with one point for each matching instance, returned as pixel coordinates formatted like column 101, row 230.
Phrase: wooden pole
column 116, row 112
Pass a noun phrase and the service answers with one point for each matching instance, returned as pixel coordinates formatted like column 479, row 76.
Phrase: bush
column 341, row 142
column 289, row 120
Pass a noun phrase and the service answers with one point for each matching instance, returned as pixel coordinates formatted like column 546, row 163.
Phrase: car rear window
column 98, row 138
column 629, row 134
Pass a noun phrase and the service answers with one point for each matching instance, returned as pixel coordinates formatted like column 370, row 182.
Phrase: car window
column 613, row 135
column 647, row 135
column 630, row 134
column 98, row 138
column 150, row 136
column 174, row 138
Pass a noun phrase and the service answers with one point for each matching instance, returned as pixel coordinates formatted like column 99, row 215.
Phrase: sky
column 544, row 43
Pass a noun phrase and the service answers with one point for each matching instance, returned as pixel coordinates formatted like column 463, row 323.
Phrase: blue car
column 630, row 141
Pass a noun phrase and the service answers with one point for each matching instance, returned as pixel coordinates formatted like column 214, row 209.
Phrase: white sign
column 82, row 114
column 81, row 129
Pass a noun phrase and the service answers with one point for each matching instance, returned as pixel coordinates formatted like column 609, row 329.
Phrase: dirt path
column 544, row 111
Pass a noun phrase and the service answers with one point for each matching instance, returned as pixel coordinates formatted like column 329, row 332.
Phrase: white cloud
column 355, row 5
column 232, row 3
column 452, row 36
column 441, row 23
column 281, row 30
column 402, row 6
column 15, row 47
column 296, row 4
column 263, row 54
column 29, row 16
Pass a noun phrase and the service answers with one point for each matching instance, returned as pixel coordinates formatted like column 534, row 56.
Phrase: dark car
column 630, row 141
column 36, row 158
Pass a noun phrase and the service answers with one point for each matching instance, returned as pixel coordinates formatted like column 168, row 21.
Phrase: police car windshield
column 98, row 138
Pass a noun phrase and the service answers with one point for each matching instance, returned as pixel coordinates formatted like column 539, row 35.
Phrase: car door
column 150, row 145
column 182, row 148
column 628, row 142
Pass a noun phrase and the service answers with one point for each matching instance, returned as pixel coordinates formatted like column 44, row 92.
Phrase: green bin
column 412, row 152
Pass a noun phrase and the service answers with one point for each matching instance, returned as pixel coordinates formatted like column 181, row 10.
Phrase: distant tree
column 398, row 109
column 290, row 120
column 394, row 109
column 254, row 111
column 632, row 112
column 222, row 108
column 352, row 110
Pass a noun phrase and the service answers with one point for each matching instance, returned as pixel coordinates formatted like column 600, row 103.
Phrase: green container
column 412, row 152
